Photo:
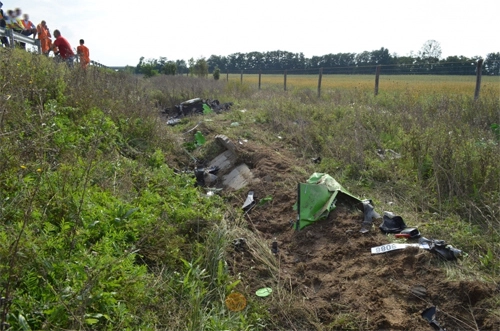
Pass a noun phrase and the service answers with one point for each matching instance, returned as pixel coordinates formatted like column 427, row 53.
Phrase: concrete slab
column 226, row 142
column 225, row 161
column 238, row 178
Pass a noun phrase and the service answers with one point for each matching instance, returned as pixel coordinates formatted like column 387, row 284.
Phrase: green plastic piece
column 264, row 292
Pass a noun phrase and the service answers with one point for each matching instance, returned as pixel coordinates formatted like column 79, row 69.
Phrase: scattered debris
column 238, row 178
column 392, row 223
column 249, row 202
column 265, row 200
column 429, row 315
column 274, row 247
column 440, row 248
column 408, row 233
column 369, row 215
column 195, row 106
column 418, row 290
column 317, row 197
column 387, row 153
column 199, row 106
column 394, row 246
column 240, row 244
column 316, row 159
column 264, row 292
column 197, row 124
column 205, row 176
column 199, row 138
column 236, row 301
column 173, row 121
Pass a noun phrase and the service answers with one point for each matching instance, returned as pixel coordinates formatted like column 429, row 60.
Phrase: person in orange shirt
column 83, row 54
column 44, row 36
column 29, row 27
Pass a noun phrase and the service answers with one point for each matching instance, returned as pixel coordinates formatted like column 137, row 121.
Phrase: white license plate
column 394, row 247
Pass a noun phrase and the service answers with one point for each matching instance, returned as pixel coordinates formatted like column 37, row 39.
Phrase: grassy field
column 420, row 84
column 102, row 229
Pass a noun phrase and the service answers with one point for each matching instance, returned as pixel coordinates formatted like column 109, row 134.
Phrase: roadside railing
column 17, row 37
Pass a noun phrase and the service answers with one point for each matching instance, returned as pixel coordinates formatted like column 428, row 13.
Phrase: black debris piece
column 274, row 247
column 440, row 248
column 201, row 173
column 392, row 223
column 240, row 244
column 198, row 105
column 429, row 315
column 369, row 215
column 409, row 233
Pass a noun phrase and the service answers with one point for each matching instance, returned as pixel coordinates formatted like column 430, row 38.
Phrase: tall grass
column 99, row 232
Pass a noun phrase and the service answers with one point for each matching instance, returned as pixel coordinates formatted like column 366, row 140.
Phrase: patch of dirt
column 329, row 268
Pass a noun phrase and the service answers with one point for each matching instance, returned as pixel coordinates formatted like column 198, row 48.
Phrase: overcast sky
column 118, row 33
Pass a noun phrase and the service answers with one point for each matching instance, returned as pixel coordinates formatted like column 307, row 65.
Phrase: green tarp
column 317, row 197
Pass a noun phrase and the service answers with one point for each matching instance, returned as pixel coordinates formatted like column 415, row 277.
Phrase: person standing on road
column 44, row 36
column 83, row 54
column 64, row 47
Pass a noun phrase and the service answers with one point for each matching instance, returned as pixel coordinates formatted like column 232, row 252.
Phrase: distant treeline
column 340, row 63
column 352, row 63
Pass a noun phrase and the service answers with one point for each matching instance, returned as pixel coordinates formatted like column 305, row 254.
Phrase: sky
column 119, row 33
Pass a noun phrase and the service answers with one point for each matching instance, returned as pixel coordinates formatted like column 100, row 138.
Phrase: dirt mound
column 328, row 266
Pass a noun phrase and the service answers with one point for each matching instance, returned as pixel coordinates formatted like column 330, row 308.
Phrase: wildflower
column 23, row 167
column 39, row 170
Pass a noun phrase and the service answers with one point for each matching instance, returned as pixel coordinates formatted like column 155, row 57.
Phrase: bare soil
column 329, row 269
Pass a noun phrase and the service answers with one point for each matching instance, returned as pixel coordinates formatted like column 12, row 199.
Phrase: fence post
column 10, row 33
column 479, row 70
column 377, row 74
column 319, row 81
column 38, row 44
column 241, row 77
column 260, row 75
column 284, row 83
column 227, row 75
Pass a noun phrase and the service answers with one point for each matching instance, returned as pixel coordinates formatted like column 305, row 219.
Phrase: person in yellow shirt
column 83, row 54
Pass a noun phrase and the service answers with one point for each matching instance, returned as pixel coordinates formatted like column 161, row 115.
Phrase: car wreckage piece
column 198, row 105
column 318, row 196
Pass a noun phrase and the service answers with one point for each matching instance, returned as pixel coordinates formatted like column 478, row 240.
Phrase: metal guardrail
column 14, row 36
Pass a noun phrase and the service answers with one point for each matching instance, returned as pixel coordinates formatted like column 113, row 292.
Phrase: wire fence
column 376, row 70
column 447, row 68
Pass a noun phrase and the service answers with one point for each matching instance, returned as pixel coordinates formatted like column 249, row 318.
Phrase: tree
column 170, row 68
column 181, row 66
column 191, row 66
column 381, row 56
column 492, row 64
column 148, row 68
column 199, row 68
column 216, row 73
column 431, row 51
